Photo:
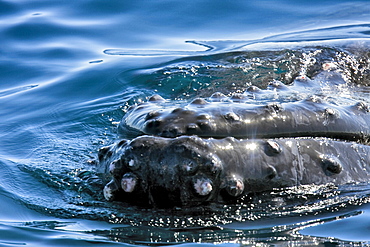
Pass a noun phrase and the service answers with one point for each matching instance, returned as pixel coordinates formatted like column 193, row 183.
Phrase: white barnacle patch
column 239, row 185
column 112, row 167
column 203, row 186
column 331, row 111
column 329, row 66
column 274, row 146
column 108, row 192
column 128, row 182
column 131, row 163
column 189, row 166
column 108, row 195
column 235, row 186
column 231, row 116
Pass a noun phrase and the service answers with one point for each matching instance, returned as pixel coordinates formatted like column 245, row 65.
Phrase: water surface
column 68, row 72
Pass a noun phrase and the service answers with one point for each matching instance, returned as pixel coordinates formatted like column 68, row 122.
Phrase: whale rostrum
column 222, row 148
column 190, row 170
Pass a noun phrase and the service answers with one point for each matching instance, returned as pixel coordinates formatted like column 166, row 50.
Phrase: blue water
column 69, row 69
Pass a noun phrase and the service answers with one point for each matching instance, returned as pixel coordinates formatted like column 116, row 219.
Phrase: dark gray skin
column 310, row 117
column 190, row 170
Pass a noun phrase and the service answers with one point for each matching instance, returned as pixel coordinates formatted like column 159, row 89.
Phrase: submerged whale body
column 221, row 148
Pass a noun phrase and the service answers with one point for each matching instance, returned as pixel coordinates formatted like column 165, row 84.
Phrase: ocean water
column 70, row 69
